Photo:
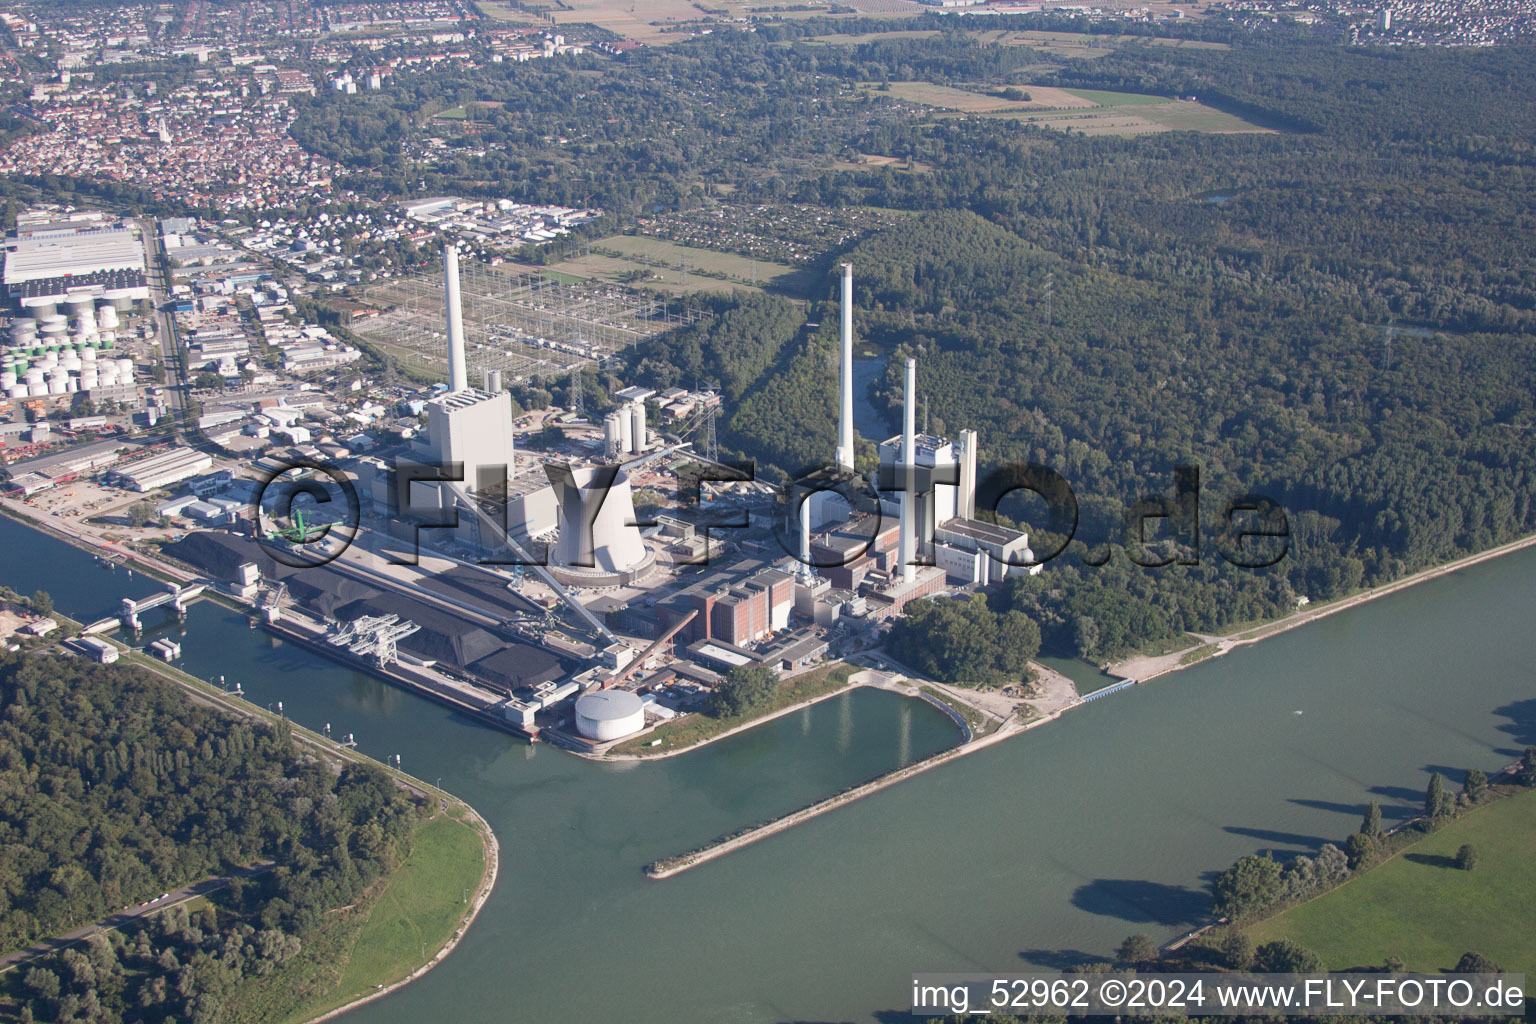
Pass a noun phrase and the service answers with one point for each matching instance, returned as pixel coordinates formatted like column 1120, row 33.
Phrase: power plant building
column 474, row 428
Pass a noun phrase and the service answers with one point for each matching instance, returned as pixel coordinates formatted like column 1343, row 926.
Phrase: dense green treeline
column 114, row 788
column 965, row 641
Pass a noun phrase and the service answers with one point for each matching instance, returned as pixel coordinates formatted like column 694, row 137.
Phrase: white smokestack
column 807, row 571
column 965, row 507
column 908, row 467
column 845, row 382
column 458, row 377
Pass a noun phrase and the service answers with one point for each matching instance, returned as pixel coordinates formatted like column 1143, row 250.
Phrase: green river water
column 1045, row 849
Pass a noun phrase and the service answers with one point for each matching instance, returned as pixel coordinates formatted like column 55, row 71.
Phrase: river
column 1044, row 849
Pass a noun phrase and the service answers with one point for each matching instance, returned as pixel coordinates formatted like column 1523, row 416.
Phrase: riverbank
column 1144, row 667
column 491, row 852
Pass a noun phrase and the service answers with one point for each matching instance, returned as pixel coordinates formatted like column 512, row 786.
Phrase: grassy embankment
column 1421, row 907
column 379, row 940
column 700, row 728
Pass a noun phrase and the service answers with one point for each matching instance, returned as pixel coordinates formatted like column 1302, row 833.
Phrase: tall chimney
column 845, row 382
column 907, row 546
column 807, row 571
column 965, row 507
column 458, row 377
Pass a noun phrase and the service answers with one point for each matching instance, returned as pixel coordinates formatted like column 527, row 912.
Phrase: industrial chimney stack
column 907, row 547
column 845, row 389
column 458, row 377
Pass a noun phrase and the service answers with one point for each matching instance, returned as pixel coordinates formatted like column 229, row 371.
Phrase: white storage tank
column 37, row 390
column 77, row 304
column 609, row 714
column 637, row 424
column 106, row 317
column 39, row 306
column 18, row 391
column 121, row 298
column 626, row 433
column 88, row 354
column 125, row 368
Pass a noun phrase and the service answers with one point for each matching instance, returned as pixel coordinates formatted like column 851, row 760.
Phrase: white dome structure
column 609, row 714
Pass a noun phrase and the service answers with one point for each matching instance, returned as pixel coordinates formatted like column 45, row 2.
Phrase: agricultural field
column 658, row 22
column 1091, row 111
column 1421, row 907
column 965, row 101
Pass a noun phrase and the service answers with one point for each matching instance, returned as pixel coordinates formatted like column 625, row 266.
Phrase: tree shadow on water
column 1521, row 726
column 1280, row 838
column 1142, row 902
column 1060, row 959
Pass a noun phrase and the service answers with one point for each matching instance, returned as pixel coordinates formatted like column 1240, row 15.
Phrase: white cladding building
column 473, row 428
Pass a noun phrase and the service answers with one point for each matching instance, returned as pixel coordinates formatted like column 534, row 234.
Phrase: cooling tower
column 597, row 519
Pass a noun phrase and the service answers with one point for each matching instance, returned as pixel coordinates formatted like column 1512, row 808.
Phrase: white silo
column 17, row 391
column 612, row 437
column 626, row 433
column 38, row 307
column 125, row 368
column 7, row 379
column 77, row 304
column 88, row 355
column 38, row 390
column 637, row 425
column 106, row 318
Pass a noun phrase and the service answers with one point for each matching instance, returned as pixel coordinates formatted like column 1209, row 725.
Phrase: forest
column 114, row 788
column 1339, row 318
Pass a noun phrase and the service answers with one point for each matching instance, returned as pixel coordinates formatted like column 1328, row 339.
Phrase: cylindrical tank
column 37, row 390
column 106, row 317
column 39, row 306
column 53, row 328
column 611, row 436
column 18, row 391
column 637, row 421
column 121, row 298
column 609, row 714
column 23, row 328
column 125, row 368
column 56, row 385
column 77, row 304
column 626, row 434
column 7, row 379
column 88, row 355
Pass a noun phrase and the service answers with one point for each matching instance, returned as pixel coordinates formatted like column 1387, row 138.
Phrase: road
column 118, row 920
